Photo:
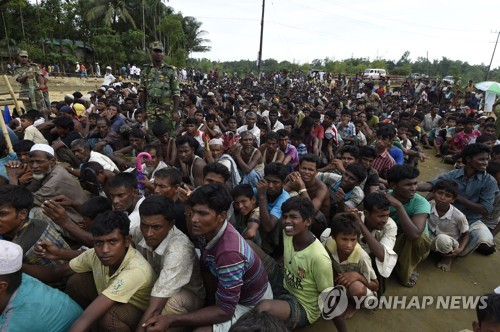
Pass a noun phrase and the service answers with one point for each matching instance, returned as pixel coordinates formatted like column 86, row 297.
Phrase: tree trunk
column 22, row 21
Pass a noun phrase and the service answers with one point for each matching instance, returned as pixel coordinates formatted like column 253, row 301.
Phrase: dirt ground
column 472, row 275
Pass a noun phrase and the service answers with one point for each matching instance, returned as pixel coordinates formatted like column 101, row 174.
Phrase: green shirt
column 307, row 273
column 416, row 205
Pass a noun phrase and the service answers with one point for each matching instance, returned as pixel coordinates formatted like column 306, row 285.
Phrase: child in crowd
column 31, row 133
column 307, row 269
column 246, row 213
column 448, row 227
column 352, row 266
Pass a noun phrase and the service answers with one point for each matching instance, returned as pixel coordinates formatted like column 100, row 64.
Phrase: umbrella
column 489, row 86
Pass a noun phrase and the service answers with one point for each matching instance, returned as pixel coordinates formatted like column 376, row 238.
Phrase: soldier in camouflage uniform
column 159, row 93
column 286, row 84
column 32, row 82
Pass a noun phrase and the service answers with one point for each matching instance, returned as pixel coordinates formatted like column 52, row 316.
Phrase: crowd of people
column 225, row 203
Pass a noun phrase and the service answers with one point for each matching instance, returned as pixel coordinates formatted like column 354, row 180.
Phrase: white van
column 374, row 73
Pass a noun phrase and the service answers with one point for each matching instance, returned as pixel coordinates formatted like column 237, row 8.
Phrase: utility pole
column 493, row 55
column 143, row 27
column 261, row 37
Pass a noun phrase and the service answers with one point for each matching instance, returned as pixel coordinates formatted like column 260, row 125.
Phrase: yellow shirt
column 131, row 283
column 307, row 273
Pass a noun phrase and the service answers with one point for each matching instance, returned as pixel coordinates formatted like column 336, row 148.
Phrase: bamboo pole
column 13, row 95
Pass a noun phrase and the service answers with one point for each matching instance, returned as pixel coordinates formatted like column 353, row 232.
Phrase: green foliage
column 116, row 30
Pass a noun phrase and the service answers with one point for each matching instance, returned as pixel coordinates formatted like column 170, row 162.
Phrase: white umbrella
column 489, row 86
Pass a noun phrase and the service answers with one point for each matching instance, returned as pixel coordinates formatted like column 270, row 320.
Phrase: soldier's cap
column 156, row 45
column 23, row 53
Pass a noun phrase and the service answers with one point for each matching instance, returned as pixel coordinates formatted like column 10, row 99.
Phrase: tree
column 193, row 36
column 111, row 11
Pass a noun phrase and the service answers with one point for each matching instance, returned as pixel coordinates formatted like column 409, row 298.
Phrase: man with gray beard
column 51, row 181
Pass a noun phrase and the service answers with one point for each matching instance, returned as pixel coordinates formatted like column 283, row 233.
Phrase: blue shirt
column 397, row 154
column 274, row 207
column 480, row 188
column 36, row 307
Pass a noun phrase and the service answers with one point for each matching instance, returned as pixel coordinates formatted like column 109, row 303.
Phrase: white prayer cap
column 11, row 257
column 43, row 147
column 216, row 141
column 69, row 96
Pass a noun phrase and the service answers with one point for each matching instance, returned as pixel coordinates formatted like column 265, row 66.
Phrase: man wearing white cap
column 51, row 180
column 108, row 77
column 216, row 154
column 27, row 304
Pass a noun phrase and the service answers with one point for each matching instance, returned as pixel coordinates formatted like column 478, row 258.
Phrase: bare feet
column 413, row 280
column 350, row 311
column 445, row 264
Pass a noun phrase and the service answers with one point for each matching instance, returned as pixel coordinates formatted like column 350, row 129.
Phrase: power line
column 493, row 54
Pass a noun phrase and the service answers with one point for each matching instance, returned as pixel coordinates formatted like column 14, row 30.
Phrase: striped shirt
column 383, row 163
column 241, row 278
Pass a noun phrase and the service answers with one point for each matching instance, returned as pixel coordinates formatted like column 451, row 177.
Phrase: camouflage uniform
column 30, row 89
column 160, row 86
column 285, row 87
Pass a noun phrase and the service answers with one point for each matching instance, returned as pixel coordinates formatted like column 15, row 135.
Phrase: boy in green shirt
column 307, row 269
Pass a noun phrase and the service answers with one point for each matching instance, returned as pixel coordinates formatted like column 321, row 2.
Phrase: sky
column 301, row 31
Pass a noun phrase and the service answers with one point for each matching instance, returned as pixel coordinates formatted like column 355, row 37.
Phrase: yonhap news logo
column 333, row 302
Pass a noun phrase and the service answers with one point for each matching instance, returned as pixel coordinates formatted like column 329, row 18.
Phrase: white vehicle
column 449, row 79
column 374, row 73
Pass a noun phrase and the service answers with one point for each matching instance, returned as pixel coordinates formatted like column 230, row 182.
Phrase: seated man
column 191, row 164
column 410, row 212
column 477, row 190
column 67, row 134
column 344, row 189
column 367, row 155
column 270, row 196
column 124, row 197
column 179, row 288
column 22, row 173
column 112, row 281
column 216, row 154
column 234, row 276
column 167, row 182
column 27, row 303
column 82, row 151
column 269, row 150
column 18, row 227
column 306, row 184
column 50, row 180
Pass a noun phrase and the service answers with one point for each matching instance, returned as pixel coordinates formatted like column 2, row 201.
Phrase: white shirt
column 108, row 79
column 135, row 218
column 387, row 238
column 33, row 134
column 278, row 125
column 104, row 161
column 255, row 131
